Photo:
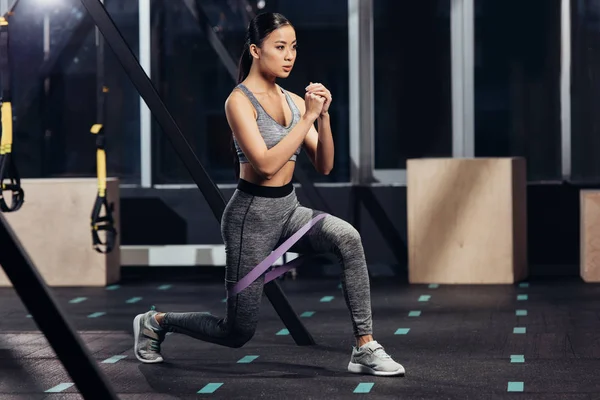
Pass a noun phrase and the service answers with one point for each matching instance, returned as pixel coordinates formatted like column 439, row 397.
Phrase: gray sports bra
column 271, row 130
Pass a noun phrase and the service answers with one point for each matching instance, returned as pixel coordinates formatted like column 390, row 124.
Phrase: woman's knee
column 345, row 236
column 240, row 336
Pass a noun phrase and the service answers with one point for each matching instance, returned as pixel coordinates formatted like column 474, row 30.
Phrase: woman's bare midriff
column 281, row 178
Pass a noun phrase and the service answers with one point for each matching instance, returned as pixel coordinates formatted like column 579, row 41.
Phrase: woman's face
column 278, row 52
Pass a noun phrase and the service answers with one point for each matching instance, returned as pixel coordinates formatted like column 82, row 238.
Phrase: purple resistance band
column 274, row 256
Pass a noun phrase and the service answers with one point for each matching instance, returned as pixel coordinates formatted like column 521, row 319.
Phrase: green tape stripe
column 517, row 358
column 283, row 332
column 77, row 300
column 210, row 388
column 165, row 287
column 307, row 314
column 515, row 386
column 402, row 331
column 433, row 286
column 364, row 387
column 113, row 359
column 112, row 287
column 519, row 330
column 521, row 313
column 524, row 285
column 247, row 359
column 326, row 299
column 96, row 314
column 414, row 314
column 424, row 297
column 522, row 297
column 59, row 388
column 133, row 300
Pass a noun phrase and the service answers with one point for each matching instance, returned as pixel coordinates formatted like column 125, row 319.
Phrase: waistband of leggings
column 265, row 191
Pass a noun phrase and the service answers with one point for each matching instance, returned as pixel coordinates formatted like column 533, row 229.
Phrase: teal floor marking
column 77, row 300
column 164, row 287
column 247, row 359
column 283, row 332
column 414, row 314
column 326, row 299
column 515, row 386
column 59, row 388
column 402, row 331
column 364, row 388
column 519, row 330
column 29, row 316
column 133, row 300
column 434, row 286
column 96, row 314
column 307, row 314
column 517, row 358
column 112, row 287
column 210, row 388
column 113, row 359
column 521, row 313
column 522, row 297
column 224, row 300
column 523, row 284
column 339, row 285
column 425, row 297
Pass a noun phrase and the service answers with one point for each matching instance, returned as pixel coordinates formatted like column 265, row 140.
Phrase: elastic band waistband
column 265, row 191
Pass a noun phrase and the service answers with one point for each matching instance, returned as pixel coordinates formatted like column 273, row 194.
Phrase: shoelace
column 154, row 345
column 381, row 353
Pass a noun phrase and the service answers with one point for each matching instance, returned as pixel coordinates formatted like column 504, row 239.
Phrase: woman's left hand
column 320, row 90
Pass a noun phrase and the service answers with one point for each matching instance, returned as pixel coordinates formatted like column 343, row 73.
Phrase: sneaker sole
column 136, row 335
column 363, row 369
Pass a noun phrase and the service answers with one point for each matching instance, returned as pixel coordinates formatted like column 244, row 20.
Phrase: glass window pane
column 54, row 113
column 412, row 74
column 195, row 84
column 517, row 83
column 585, row 91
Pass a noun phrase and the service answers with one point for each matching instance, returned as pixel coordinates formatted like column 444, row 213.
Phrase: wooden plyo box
column 590, row 235
column 467, row 220
column 53, row 226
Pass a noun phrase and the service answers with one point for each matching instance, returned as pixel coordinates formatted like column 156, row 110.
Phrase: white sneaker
column 147, row 340
column 372, row 359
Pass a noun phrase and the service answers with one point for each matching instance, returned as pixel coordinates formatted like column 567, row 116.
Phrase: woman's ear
column 254, row 51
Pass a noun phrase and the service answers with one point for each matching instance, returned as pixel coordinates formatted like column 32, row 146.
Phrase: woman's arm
column 242, row 121
column 318, row 143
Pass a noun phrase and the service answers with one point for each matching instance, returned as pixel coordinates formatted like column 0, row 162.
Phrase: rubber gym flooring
column 534, row 340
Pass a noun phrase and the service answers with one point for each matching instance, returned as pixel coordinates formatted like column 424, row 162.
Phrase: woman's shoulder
column 238, row 101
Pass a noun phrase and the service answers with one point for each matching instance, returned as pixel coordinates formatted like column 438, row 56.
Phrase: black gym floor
column 534, row 340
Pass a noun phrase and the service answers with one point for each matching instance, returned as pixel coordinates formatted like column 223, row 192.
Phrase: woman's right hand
column 314, row 105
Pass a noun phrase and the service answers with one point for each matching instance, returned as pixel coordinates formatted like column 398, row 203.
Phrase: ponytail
column 243, row 70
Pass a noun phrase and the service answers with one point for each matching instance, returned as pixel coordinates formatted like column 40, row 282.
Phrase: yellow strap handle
column 7, row 129
column 100, row 163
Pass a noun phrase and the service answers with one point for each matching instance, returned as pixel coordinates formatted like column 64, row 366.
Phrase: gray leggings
column 256, row 220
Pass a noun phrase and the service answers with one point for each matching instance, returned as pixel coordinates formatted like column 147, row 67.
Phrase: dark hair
column 259, row 28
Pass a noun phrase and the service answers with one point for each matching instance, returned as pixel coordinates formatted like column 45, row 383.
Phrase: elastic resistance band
column 274, row 256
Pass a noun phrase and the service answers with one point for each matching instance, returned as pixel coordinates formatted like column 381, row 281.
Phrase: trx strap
column 105, row 222
column 8, row 168
column 274, row 256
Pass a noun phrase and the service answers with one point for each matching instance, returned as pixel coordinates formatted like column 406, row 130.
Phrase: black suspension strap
column 102, row 222
column 8, row 168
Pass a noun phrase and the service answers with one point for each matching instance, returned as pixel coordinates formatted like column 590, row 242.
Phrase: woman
column 270, row 126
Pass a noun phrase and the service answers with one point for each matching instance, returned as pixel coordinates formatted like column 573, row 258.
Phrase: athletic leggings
column 256, row 220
